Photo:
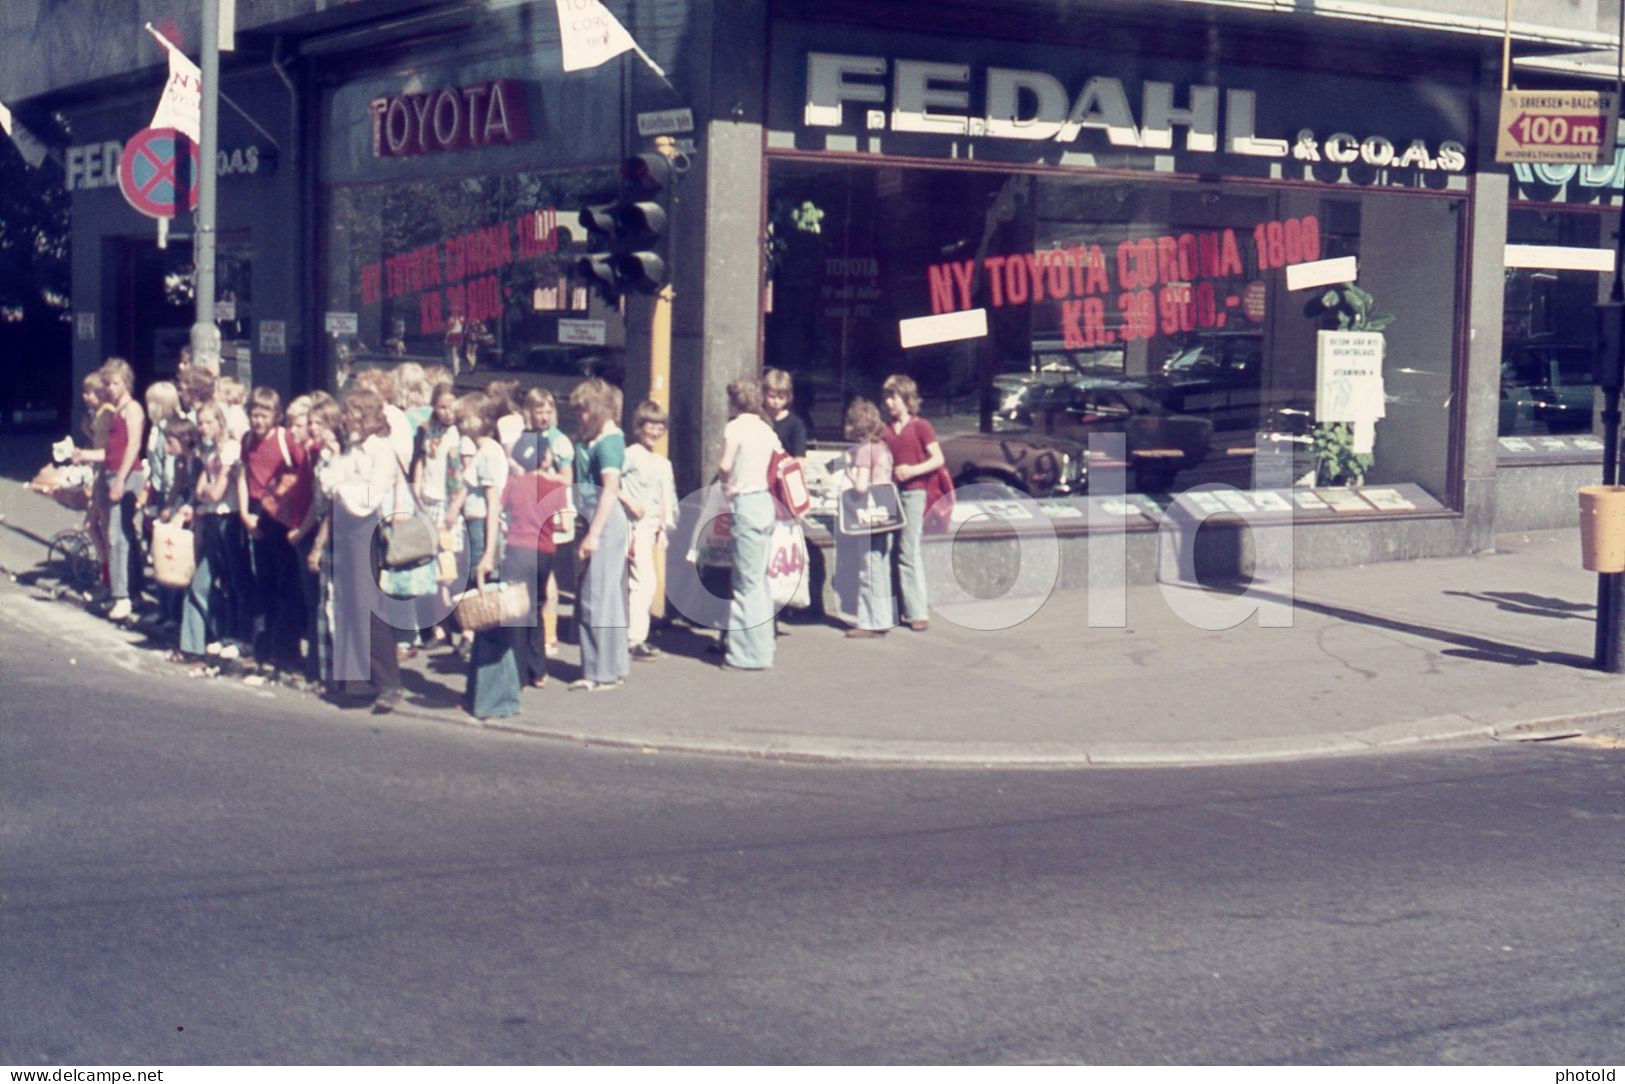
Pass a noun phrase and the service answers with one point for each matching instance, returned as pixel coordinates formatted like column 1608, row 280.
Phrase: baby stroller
column 72, row 551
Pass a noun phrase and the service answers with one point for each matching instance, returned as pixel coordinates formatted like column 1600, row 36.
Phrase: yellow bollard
column 1602, row 528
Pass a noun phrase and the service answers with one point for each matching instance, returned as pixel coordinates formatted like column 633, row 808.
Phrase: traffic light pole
column 660, row 358
column 1609, row 656
column 205, row 336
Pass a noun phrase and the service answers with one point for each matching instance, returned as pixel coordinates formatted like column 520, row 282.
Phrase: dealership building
column 1233, row 261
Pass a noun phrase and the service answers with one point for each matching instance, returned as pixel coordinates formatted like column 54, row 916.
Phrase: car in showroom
column 1158, row 443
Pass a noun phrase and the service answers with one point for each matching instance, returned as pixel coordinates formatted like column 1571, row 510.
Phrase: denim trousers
column 750, row 611
column 124, row 541
column 214, row 606
column 911, row 557
column 279, row 594
column 601, row 605
column 877, row 608
column 507, row 658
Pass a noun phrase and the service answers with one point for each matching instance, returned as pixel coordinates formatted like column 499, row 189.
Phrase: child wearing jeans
column 918, row 470
column 649, row 494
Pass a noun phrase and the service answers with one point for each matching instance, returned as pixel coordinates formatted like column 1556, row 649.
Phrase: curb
column 1390, row 737
column 1518, row 723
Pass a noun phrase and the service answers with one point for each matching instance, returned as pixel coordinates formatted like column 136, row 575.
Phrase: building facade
column 1169, row 244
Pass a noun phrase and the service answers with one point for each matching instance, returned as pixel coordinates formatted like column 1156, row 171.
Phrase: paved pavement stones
column 1379, row 657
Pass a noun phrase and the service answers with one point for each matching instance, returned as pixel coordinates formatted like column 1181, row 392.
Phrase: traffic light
column 624, row 238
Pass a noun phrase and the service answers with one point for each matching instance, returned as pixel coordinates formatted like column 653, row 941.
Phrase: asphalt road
column 197, row 873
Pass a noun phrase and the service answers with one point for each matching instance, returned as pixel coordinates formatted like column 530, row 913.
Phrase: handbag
column 174, row 555
column 409, row 539
column 788, row 577
column 876, row 510
column 788, row 484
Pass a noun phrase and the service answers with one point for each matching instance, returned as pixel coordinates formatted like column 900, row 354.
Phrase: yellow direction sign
column 1557, row 126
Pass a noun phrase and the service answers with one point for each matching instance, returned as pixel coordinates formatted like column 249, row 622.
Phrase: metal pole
column 660, row 356
column 205, row 333
column 1609, row 657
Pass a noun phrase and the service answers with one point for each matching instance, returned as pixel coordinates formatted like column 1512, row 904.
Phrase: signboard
column 1348, row 382
column 1557, row 126
column 273, row 336
column 944, row 328
column 583, row 332
column 151, row 176
column 665, row 122
column 908, row 94
column 342, row 323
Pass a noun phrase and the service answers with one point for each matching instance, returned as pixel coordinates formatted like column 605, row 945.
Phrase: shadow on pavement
column 1467, row 646
column 1525, row 604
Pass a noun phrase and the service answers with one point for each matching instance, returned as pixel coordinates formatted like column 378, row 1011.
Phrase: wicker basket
column 488, row 606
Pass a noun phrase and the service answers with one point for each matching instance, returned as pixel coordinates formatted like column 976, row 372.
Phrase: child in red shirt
column 273, row 494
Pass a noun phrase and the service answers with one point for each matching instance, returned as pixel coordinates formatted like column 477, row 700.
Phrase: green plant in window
column 787, row 219
column 1352, row 308
column 1336, row 461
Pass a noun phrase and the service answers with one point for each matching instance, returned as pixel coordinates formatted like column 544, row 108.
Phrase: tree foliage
column 34, row 238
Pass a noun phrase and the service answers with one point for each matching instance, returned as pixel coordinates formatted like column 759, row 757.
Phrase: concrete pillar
column 716, row 327
column 1481, row 390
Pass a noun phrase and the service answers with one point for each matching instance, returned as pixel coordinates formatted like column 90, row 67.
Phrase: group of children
column 283, row 505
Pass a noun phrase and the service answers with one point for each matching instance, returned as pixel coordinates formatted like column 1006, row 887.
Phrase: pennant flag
column 33, row 151
column 591, row 35
column 181, row 106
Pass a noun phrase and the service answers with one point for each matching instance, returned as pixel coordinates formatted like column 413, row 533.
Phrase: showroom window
column 1185, row 316
column 1560, row 265
column 472, row 273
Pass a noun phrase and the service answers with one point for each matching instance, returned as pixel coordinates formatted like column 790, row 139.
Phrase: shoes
column 402, row 654
column 212, row 648
column 645, row 652
column 585, row 686
column 385, row 704
column 863, row 634
column 714, row 648
column 120, row 611
column 228, row 651
column 919, row 626
column 538, row 683
column 731, row 668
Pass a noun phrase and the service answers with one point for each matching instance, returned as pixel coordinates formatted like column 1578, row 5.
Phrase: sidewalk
column 1377, row 656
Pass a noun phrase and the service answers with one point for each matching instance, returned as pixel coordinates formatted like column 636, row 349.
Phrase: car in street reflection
column 1547, row 387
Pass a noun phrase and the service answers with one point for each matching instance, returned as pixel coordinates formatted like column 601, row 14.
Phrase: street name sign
column 1557, row 126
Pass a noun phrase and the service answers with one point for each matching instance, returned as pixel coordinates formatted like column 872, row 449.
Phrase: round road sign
column 150, row 173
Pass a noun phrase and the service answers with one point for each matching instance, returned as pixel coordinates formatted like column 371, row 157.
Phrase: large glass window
column 1548, row 359
column 472, row 273
column 1171, row 312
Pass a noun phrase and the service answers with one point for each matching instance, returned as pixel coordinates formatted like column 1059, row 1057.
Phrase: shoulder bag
column 408, row 539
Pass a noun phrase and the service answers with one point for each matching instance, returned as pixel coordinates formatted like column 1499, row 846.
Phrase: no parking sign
column 160, row 167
